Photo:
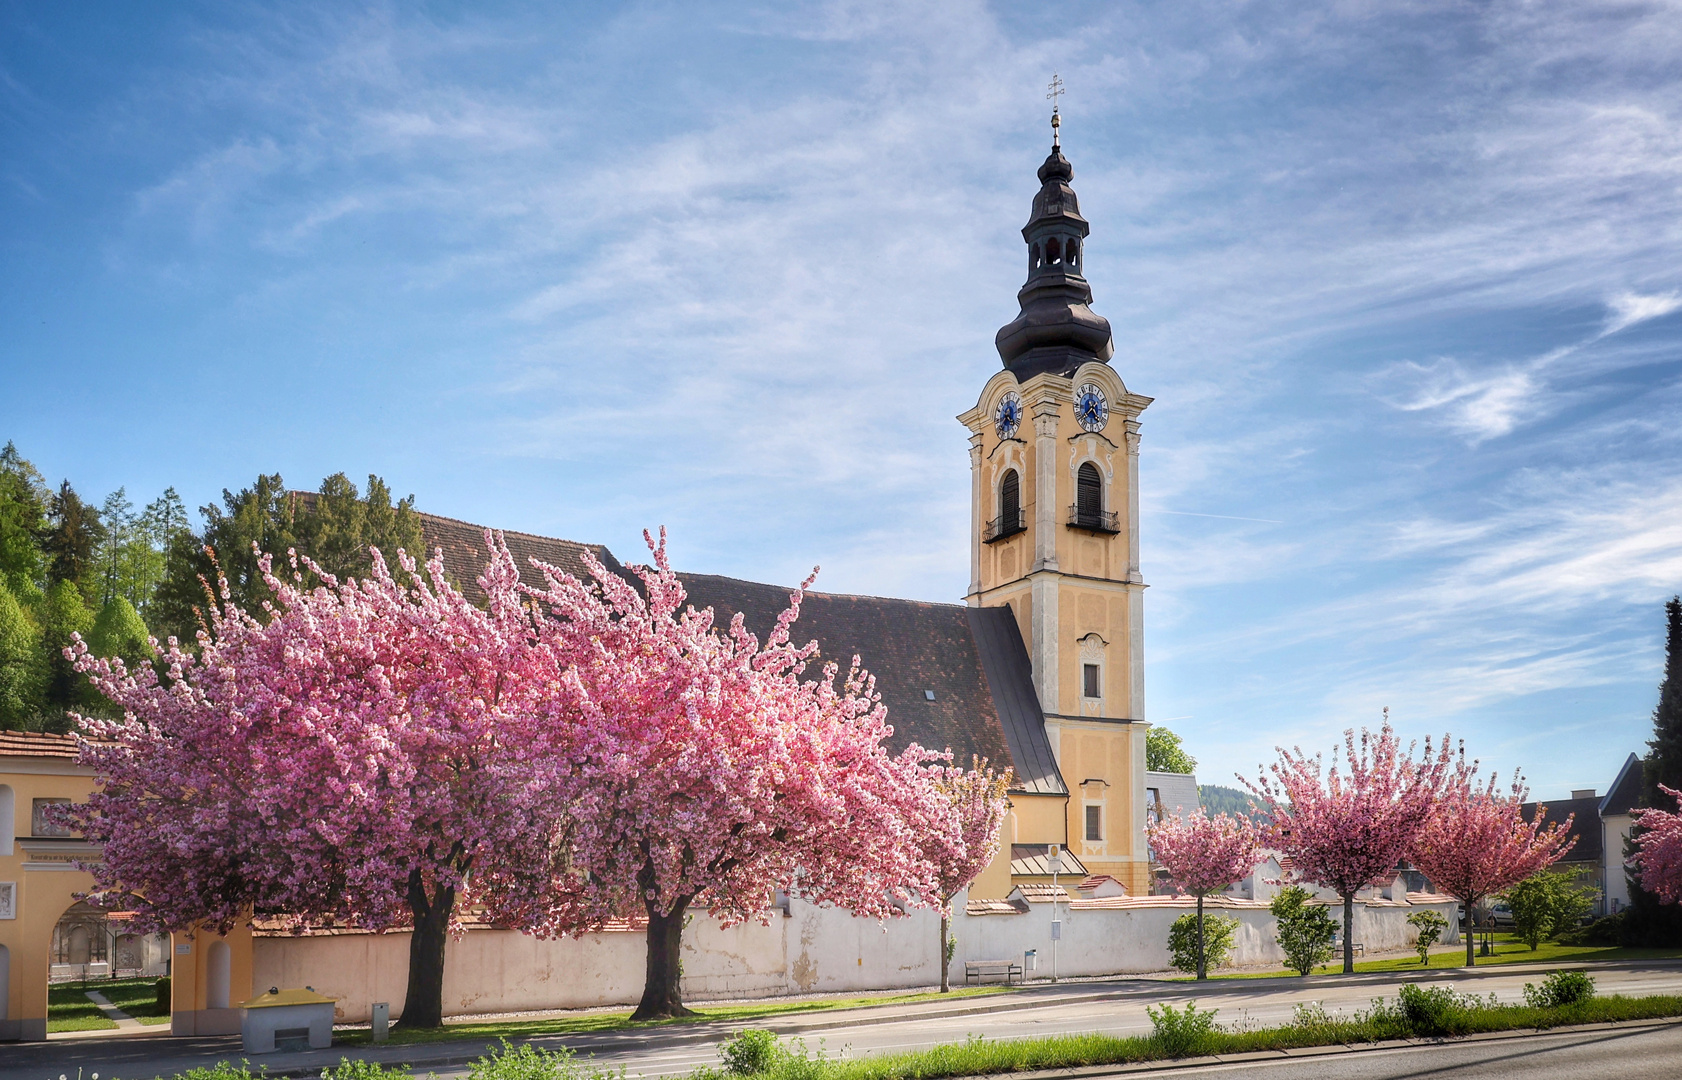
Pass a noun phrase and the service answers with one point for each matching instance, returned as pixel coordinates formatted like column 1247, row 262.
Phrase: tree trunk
column 423, row 1004
column 1466, row 919
column 1202, row 958
column 662, row 997
column 945, row 960
column 1349, row 934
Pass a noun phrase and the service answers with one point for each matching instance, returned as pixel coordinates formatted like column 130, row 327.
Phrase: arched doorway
column 5, row 982
column 219, row 962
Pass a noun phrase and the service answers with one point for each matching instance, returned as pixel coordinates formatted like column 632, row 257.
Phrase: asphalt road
column 1640, row 1054
column 1112, row 1007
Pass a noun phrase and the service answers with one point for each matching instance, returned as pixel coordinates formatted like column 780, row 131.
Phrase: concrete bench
column 976, row 970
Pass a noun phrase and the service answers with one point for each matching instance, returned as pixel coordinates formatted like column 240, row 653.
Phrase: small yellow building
column 39, row 879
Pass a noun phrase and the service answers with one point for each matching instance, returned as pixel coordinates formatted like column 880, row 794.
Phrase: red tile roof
column 37, row 744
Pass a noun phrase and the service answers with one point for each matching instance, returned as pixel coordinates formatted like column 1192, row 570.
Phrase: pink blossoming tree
column 365, row 752
column 1348, row 831
column 1658, row 850
column 1204, row 855
column 976, row 802
column 709, row 770
column 1475, row 842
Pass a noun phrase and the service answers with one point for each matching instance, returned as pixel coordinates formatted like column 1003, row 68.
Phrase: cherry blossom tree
column 364, row 752
column 1347, row 832
column 708, row 770
column 1475, row 842
column 977, row 804
column 1658, row 850
column 1204, row 855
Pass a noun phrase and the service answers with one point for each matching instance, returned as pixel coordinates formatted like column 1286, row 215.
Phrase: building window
column 1089, row 491
column 1090, row 685
column 39, row 825
column 1094, row 822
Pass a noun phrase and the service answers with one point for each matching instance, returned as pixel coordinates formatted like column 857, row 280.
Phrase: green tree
column 23, row 674
column 118, row 630
column 1218, row 932
column 63, row 613
column 1164, row 753
column 1228, row 800
column 72, row 540
column 23, row 519
column 1546, row 904
column 341, row 527
column 1429, row 926
column 1304, row 929
column 337, row 527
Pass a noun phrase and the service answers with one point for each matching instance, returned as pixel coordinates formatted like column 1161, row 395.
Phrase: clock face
column 1092, row 409
column 1008, row 416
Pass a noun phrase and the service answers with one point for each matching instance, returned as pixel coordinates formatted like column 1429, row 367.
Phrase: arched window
column 1053, row 253
column 1089, row 493
column 1033, row 257
column 1071, row 253
column 8, row 818
column 1010, row 501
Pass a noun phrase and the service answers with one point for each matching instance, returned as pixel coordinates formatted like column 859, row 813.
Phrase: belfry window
column 1071, row 254
column 1053, row 253
column 1089, row 491
column 1010, row 499
column 1009, row 521
column 1090, row 685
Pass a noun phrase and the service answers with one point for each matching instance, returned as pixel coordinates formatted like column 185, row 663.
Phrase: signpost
column 1054, row 862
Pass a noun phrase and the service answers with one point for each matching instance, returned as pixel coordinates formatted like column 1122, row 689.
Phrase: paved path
column 121, row 1018
column 1116, row 1007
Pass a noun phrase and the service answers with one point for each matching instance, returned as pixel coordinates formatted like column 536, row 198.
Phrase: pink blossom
column 1475, row 842
column 1658, row 850
column 1347, row 832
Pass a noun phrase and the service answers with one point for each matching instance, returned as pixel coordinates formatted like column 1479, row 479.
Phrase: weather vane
column 1054, row 90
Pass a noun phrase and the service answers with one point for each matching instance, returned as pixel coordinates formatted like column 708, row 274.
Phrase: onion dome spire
column 1056, row 330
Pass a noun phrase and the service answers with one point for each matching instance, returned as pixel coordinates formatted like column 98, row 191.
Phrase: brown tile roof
column 958, row 654
column 1029, row 860
column 37, row 744
column 465, row 554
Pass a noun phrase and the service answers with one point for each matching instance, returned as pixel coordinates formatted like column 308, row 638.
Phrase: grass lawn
column 1508, row 950
column 137, row 997
column 614, row 1021
column 68, row 1009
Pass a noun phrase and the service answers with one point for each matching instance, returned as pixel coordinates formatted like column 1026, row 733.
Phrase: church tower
column 1054, row 459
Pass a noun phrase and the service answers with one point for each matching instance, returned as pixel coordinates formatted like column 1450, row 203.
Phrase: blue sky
column 1405, row 280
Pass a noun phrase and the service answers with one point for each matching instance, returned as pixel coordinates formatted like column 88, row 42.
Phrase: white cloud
column 1630, row 308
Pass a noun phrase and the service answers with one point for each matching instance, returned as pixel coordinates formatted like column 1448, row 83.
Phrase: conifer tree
column 23, row 676
column 72, row 539
column 1647, row 922
column 1664, row 760
column 118, row 630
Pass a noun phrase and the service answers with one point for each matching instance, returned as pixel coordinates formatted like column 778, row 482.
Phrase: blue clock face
column 1092, row 409
column 1008, row 416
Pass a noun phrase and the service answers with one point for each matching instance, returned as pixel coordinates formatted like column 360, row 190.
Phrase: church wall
column 811, row 950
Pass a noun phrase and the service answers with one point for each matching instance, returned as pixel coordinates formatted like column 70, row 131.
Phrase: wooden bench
column 976, row 970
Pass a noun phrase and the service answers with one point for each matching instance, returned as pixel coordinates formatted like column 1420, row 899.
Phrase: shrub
column 751, row 1052
column 224, row 1070
column 1430, row 1010
column 509, row 1062
column 1430, row 926
column 162, row 989
column 359, row 1069
column 1305, row 930
column 1545, row 904
column 1560, row 989
column 1218, row 932
column 1182, row 1034
column 1607, row 930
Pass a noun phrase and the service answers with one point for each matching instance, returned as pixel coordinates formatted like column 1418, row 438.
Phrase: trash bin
column 283, row 1020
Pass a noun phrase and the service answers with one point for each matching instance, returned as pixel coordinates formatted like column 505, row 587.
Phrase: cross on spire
column 1054, row 90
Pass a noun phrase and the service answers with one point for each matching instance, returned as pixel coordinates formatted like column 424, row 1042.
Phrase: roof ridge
column 511, row 532
column 819, row 592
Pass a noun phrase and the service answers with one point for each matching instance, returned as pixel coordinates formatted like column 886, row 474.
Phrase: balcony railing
column 1103, row 521
column 1002, row 526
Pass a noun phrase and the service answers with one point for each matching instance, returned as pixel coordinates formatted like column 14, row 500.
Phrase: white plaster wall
column 813, row 949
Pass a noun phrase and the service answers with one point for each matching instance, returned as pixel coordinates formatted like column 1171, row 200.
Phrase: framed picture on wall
column 8, row 899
